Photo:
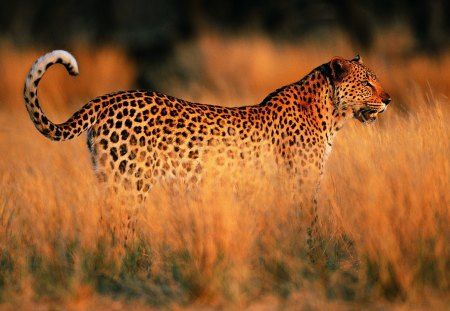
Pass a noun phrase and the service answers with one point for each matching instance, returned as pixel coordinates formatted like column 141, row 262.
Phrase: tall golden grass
column 384, row 208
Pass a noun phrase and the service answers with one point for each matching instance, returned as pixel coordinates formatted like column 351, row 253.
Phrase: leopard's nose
column 386, row 100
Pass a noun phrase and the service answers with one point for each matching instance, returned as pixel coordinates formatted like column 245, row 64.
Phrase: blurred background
column 150, row 33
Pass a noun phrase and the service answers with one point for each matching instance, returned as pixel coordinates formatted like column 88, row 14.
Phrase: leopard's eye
column 366, row 83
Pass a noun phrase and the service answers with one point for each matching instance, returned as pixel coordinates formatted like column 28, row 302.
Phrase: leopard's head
column 357, row 89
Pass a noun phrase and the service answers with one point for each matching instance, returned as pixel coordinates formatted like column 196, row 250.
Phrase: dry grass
column 384, row 209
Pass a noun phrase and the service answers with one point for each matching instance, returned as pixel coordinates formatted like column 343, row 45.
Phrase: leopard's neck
column 305, row 113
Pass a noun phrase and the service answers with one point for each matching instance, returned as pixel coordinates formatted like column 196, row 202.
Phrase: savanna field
column 237, row 244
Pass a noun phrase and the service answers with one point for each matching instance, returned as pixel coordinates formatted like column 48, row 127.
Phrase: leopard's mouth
column 368, row 114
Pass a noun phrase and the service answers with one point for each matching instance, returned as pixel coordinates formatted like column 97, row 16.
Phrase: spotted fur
column 139, row 138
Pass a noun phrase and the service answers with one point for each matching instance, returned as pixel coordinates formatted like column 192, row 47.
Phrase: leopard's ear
column 358, row 59
column 339, row 68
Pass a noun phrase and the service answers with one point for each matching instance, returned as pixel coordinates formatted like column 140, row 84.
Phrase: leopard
column 140, row 138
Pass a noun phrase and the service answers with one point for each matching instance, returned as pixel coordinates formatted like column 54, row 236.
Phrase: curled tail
column 78, row 123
